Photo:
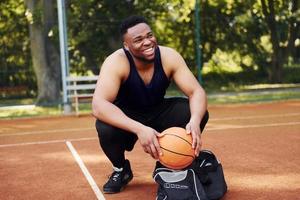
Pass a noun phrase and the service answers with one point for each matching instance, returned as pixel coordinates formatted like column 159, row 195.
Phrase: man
column 129, row 101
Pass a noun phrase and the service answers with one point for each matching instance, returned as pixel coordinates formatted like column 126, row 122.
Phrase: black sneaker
column 118, row 180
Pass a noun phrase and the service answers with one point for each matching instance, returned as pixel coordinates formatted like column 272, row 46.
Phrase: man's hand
column 194, row 129
column 149, row 142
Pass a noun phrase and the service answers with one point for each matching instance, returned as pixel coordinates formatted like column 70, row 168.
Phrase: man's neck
column 142, row 63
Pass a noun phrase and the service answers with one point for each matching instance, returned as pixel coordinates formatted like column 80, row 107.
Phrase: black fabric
column 209, row 180
column 178, row 185
column 135, row 93
column 114, row 142
column 171, row 112
column 210, row 172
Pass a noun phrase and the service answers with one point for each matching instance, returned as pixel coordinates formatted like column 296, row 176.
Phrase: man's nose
column 147, row 41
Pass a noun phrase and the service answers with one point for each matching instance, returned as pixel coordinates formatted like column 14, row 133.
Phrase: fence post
column 64, row 56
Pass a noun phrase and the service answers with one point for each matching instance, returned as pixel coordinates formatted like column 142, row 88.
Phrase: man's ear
column 125, row 46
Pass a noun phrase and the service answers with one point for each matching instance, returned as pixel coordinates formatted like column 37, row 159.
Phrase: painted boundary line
column 85, row 171
column 207, row 129
column 254, row 117
column 49, row 131
column 92, row 128
column 254, row 126
column 46, row 142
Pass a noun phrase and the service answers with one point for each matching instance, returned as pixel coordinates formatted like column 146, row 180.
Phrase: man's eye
column 138, row 41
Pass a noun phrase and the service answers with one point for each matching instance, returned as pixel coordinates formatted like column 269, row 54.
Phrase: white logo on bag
column 176, row 186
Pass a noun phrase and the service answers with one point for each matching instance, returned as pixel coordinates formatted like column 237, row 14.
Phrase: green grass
column 38, row 111
column 226, row 81
column 34, row 111
column 252, row 98
column 244, row 94
column 16, row 101
column 248, row 93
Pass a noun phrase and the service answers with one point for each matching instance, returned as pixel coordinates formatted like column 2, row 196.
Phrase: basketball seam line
column 176, row 152
column 179, row 137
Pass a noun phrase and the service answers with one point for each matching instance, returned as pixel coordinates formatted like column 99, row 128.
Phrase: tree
column 45, row 58
column 15, row 67
column 93, row 31
column 283, row 42
column 93, row 28
column 265, row 30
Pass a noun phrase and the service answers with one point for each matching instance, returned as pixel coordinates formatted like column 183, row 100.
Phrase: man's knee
column 204, row 121
column 110, row 135
column 105, row 131
column 184, row 103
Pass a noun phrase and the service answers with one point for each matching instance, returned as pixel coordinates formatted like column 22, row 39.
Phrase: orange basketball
column 176, row 146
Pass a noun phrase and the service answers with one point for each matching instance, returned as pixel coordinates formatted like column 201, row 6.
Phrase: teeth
column 150, row 49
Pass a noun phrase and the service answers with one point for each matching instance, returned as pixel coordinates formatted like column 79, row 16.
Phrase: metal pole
column 198, row 41
column 64, row 56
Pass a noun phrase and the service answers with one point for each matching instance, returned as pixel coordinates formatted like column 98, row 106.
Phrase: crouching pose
column 129, row 100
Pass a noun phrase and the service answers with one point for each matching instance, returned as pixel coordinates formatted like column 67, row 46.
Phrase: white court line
column 85, row 171
column 206, row 129
column 48, row 131
column 93, row 128
column 254, row 117
column 46, row 142
column 254, row 126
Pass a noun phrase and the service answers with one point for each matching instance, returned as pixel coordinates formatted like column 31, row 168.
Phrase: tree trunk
column 293, row 27
column 280, row 54
column 44, row 55
column 276, row 69
column 277, row 65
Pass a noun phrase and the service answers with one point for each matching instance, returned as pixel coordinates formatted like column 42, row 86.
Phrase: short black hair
column 130, row 22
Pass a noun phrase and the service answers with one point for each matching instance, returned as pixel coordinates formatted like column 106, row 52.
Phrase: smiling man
column 129, row 100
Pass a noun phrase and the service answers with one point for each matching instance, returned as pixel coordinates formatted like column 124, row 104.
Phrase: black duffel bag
column 202, row 180
column 210, row 173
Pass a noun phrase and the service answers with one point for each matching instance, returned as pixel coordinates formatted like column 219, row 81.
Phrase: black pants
column 171, row 112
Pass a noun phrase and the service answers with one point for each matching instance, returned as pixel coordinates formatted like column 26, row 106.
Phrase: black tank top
column 134, row 93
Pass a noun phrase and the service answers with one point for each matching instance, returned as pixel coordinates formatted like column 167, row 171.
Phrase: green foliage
column 93, row 28
column 236, row 44
column 230, row 81
column 15, row 63
column 93, row 31
column 35, row 17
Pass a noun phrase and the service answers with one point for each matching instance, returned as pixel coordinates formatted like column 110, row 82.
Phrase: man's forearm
column 111, row 114
column 198, row 105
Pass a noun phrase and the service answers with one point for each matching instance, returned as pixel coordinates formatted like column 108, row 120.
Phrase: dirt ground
column 60, row 157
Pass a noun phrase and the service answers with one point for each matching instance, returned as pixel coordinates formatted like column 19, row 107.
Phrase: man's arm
column 189, row 85
column 110, row 78
column 106, row 90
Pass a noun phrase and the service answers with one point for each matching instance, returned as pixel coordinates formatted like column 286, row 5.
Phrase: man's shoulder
column 117, row 55
column 116, row 63
column 169, row 55
column 116, row 59
column 167, row 51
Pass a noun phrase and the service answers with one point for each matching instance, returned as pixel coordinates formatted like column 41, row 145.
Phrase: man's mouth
column 149, row 51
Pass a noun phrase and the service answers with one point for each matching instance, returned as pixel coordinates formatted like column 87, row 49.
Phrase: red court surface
column 60, row 157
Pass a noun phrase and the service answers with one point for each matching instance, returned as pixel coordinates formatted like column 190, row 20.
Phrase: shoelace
column 115, row 176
